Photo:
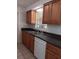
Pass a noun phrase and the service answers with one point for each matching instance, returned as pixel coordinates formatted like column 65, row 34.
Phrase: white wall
column 54, row 29
column 20, row 22
column 50, row 28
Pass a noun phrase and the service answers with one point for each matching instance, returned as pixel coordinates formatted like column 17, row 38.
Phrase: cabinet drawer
column 54, row 49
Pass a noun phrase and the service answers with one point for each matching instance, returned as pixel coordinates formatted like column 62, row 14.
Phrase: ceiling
column 25, row 3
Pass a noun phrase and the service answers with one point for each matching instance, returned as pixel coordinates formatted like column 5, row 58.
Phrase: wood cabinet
column 47, row 13
column 31, row 17
column 56, row 12
column 28, row 41
column 52, row 52
column 24, row 36
column 41, row 49
column 52, row 12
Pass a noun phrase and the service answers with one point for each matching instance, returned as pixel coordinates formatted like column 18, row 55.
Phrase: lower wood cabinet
column 41, row 49
column 52, row 52
column 50, row 55
column 28, row 41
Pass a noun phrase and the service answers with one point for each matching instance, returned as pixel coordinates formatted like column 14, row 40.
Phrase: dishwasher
column 40, row 48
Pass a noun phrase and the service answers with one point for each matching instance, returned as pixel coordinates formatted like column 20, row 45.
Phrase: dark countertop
column 48, row 37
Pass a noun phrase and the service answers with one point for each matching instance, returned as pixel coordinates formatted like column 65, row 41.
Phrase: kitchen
column 20, row 40
column 39, row 29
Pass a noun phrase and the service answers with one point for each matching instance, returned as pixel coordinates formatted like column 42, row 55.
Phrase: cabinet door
column 28, row 17
column 47, row 13
column 56, row 12
column 31, row 17
column 54, row 49
column 52, row 12
column 24, row 38
column 28, row 41
column 52, row 52
column 50, row 55
column 31, row 43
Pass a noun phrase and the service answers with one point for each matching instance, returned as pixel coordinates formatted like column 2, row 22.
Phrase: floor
column 24, row 53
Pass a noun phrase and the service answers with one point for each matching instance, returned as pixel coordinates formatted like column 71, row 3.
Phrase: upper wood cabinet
column 52, row 12
column 31, row 17
column 47, row 13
